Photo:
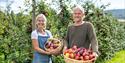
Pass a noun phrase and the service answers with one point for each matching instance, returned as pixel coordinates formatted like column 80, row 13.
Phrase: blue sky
column 115, row 4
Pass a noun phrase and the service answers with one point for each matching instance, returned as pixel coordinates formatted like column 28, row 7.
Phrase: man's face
column 77, row 15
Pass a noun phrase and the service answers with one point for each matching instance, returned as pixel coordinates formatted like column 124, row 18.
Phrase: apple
column 77, row 57
column 79, row 49
column 71, row 56
column 81, row 52
column 90, row 51
column 86, row 57
column 51, row 48
column 74, row 47
column 47, row 45
column 91, row 56
column 52, row 45
column 76, row 51
column 84, row 50
column 67, row 55
column 70, row 50
column 55, row 46
column 81, row 57
column 78, row 54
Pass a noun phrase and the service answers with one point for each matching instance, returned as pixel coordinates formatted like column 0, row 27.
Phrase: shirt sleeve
column 92, row 37
column 34, row 35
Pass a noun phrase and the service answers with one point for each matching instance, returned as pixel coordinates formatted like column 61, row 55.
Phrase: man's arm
column 92, row 38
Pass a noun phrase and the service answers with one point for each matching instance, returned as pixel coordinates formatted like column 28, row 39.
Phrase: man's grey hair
column 80, row 8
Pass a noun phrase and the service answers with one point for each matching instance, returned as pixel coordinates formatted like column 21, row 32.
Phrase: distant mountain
column 118, row 13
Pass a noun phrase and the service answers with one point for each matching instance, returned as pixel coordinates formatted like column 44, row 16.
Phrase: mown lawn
column 118, row 58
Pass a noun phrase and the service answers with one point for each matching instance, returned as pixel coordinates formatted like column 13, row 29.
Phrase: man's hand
column 96, row 56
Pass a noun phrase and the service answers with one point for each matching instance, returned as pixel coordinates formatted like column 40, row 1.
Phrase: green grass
column 118, row 58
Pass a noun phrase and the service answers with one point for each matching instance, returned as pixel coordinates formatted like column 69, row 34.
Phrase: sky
column 115, row 4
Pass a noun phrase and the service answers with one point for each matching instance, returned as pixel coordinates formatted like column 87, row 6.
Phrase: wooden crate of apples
column 78, row 55
column 53, row 44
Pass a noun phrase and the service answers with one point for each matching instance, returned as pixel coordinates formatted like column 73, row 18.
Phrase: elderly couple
column 81, row 33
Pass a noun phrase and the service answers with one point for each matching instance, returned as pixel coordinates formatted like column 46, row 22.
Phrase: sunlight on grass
column 118, row 58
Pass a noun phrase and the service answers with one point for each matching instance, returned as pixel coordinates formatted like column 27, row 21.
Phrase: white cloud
column 115, row 4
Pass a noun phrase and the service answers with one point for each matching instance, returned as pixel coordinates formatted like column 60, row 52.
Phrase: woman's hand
column 48, row 53
column 55, row 52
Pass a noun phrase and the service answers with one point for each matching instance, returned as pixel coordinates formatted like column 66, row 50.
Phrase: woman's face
column 41, row 23
column 77, row 15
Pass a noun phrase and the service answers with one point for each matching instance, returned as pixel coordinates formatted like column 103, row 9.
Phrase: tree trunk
column 33, row 14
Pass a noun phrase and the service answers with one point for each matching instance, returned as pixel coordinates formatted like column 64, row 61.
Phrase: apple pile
column 79, row 54
column 52, row 44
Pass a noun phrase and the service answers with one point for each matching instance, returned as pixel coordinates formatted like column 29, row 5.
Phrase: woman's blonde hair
column 38, row 16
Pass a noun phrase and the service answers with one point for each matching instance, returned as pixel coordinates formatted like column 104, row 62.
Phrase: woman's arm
column 36, row 47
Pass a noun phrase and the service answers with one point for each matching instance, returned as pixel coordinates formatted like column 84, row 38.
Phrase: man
column 81, row 33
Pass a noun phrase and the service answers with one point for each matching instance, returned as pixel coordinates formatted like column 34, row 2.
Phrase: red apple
column 51, row 44
column 74, row 47
column 84, row 50
column 86, row 57
column 70, row 50
column 77, row 50
column 78, row 54
column 91, row 56
column 81, row 52
column 66, row 51
column 81, row 57
column 51, row 48
column 47, row 45
column 90, row 51
column 55, row 46
column 77, row 57
column 85, row 53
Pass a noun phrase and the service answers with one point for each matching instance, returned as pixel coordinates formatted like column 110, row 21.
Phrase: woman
column 39, row 37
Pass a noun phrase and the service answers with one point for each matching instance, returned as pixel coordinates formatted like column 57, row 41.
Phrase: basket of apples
column 78, row 55
column 53, row 45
